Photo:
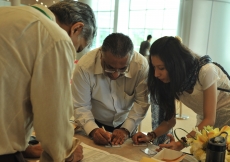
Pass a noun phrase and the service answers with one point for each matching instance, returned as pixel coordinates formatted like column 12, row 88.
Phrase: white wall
column 210, row 30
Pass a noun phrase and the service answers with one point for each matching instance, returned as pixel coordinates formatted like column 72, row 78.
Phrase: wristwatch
column 152, row 136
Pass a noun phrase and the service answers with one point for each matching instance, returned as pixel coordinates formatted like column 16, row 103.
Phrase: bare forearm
column 203, row 124
column 164, row 127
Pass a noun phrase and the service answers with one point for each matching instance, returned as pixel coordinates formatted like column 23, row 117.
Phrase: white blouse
column 208, row 75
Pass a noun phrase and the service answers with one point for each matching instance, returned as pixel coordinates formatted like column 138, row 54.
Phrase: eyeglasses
column 107, row 69
column 111, row 71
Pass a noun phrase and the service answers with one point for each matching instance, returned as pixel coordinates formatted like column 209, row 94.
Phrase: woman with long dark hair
column 175, row 72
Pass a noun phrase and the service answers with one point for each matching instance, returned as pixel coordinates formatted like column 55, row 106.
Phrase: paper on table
column 92, row 154
column 169, row 155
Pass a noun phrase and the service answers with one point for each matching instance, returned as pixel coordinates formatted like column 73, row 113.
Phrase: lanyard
column 41, row 11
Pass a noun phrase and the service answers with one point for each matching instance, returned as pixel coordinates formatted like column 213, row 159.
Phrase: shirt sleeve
column 141, row 101
column 82, row 99
column 208, row 75
column 51, row 101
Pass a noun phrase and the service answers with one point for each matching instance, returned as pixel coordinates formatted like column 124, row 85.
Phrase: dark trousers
column 107, row 128
column 16, row 157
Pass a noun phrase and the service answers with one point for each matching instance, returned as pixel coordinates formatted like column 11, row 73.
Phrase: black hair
column 178, row 61
column 149, row 37
column 118, row 44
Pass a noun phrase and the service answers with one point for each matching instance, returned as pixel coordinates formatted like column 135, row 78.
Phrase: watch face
column 152, row 136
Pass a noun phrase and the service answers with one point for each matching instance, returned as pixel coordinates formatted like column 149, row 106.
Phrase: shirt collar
column 46, row 10
column 99, row 69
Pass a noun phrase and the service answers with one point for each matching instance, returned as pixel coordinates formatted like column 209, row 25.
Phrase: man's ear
column 76, row 28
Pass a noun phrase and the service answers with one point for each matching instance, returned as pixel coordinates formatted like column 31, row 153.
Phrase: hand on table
column 140, row 138
column 77, row 155
column 100, row 136
column 173, row 144
column 119, row 136
column 32, row 151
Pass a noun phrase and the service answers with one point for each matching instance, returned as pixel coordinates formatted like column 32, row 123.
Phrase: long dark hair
column 178, row 61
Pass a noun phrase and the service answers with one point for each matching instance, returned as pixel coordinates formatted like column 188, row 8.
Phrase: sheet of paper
column 92, row 154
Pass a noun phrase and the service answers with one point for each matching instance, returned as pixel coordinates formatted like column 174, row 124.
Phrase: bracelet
column 72, row 157
column 152, row 135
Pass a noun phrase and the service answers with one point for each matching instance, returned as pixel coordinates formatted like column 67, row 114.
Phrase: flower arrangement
column 199, row 143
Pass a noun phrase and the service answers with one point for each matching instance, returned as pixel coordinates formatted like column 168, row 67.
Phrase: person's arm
column 51, row 101
column 81, row 91
column 163, row 128
column 208, row 77
column 139, row 108
column 32, row 151
column 209, row 104
column 209, row 107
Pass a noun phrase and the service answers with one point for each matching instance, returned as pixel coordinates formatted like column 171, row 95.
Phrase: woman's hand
column 140, row 138
column 173, row 144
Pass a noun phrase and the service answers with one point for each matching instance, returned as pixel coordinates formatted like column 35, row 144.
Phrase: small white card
column 112, row 145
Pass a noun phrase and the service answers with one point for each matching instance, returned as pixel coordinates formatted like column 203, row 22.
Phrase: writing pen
column 225, row 90
column 105, row 131
column 166, row 141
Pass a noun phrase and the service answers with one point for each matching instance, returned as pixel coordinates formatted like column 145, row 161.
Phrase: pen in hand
column 108, row 141
column 166, row 141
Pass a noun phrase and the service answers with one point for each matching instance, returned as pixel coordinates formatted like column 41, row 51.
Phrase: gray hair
column 118, row 44
column 70, row 12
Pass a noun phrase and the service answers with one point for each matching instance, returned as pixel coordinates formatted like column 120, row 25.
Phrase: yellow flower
column 199, row 154
column 208, row 128
column 213, row 133
column 225, row 128
column 227, row 157
column 199, row 144
column 203, row 137
column 196, row 145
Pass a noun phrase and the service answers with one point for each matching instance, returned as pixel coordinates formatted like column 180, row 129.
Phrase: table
column 126, row 150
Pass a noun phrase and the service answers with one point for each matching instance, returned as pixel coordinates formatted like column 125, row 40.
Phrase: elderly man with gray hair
column 38, row 47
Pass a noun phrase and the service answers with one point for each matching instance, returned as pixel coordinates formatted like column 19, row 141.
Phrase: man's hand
column 173, row 144
column 140, row 138
column 77, row 155
column 119, row 136
column 100, row 136
column 32, row 151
